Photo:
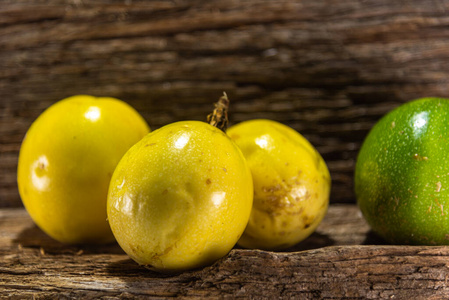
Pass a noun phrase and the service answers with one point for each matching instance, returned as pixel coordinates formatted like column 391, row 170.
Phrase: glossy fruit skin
column 66, row 161
column 291, row 184
column 402, row 174
column 180, row 198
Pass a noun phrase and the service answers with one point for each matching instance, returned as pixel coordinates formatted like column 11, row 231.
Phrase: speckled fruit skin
column 291, row 184
column 66, row 162
column 181, row 197
column 402, row 174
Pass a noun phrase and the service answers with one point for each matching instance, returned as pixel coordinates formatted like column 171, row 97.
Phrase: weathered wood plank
column 327, row 68
column 341, row 260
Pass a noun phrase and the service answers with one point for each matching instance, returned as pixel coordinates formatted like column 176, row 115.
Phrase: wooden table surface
column 341, row 260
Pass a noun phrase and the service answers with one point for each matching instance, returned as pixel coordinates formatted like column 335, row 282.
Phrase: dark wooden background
column 328, row 68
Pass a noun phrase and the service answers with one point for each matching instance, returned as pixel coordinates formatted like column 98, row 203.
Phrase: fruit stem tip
column 219, row 117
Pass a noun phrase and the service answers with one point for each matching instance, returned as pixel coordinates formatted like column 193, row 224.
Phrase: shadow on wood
column 373, row 239
column 34, row 237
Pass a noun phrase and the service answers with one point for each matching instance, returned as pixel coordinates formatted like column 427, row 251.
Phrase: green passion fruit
column 402, row 174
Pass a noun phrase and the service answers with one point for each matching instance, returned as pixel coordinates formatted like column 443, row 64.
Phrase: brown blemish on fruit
column 418, row 157
column 271, row 189
column 166, row 251
column 438, row 189
column 396, row 199
column 224, row 169
column 308, row 221
column 136, row 249
column 164, row 192
column 150, row 144
column 274, row 202
column 446, row 236
column 307, row 196
column 279, row 195
column 440, row 205
column 208, row 181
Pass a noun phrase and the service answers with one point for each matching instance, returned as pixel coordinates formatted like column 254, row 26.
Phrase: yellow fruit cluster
column 177, row 198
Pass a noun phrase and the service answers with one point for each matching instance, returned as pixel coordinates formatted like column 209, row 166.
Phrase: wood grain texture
column 327, row 68
column 341, row 260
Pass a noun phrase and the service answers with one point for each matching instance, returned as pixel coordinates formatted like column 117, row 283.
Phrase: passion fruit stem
column 219, row 117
